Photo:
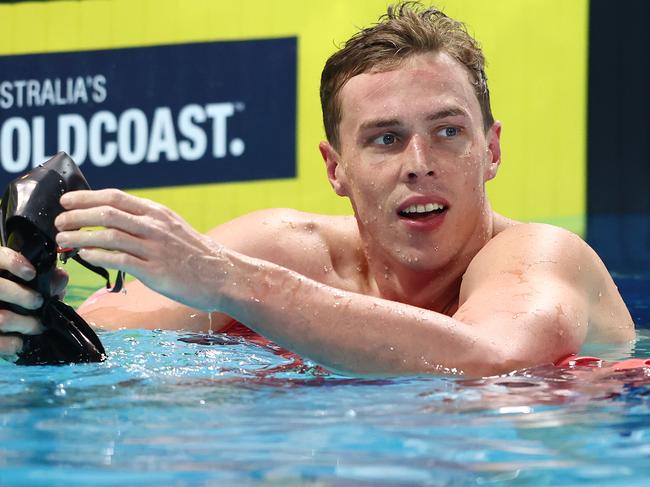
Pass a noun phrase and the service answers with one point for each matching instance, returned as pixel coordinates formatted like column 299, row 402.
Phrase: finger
column 108, row 239
column 101, row 216
column 59, row 282
column 13, row 322
column 16, row 263
column 10, row 345
column 106, row 197
column 114, row 260
column 11, row 292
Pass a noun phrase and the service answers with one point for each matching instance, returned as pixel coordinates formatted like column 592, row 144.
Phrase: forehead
column 420, row 84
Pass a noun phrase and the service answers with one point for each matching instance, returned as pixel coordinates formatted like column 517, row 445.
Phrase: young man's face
column 414, row 158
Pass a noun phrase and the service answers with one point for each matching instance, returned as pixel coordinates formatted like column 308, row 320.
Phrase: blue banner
column 154, row 116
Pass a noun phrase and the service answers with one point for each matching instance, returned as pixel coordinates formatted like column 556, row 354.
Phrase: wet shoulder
column 308, row 243
column 541, row 246
column 560, row 254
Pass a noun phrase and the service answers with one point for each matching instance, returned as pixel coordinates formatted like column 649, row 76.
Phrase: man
column 424, row 278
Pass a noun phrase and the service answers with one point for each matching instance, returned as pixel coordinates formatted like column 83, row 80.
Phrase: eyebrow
column 391, row 122
column 447, row 112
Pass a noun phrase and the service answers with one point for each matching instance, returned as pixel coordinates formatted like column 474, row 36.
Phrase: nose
column 419, row 162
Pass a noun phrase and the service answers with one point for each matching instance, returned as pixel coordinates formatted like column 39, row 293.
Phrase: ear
column 335, row 171
column 493, row 151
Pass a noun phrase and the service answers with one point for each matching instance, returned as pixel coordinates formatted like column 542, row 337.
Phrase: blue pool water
column 175, row 409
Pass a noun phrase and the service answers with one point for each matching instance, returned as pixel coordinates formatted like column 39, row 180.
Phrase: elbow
column 495, row 361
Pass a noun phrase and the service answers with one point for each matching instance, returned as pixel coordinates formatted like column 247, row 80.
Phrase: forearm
column 347, row 331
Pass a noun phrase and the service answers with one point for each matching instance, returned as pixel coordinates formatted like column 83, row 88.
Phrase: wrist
column 213, row 270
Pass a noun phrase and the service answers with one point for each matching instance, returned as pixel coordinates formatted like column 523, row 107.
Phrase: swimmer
column 424, row 277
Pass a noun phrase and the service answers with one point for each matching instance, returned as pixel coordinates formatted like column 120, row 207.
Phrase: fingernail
column 28, row 273
column 65, row 199
column 18, row 344
column 62, row 239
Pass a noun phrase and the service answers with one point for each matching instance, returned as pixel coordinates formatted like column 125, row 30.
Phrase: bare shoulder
column 554, row 256
column 308, row 243
column 536, row 244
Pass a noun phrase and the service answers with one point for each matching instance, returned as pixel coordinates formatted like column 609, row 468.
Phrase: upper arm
column 526, row 291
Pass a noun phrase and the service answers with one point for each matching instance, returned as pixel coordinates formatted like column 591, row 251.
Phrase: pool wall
column 245, row 76
column 619, row 135
column 212, row 108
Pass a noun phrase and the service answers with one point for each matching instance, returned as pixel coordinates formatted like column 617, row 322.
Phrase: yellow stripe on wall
column 536, row 51
column 537, row 69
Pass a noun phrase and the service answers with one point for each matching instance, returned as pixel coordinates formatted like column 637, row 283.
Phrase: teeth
column 423, row 208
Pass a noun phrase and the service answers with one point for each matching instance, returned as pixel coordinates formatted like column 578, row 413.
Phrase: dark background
column 618, row 197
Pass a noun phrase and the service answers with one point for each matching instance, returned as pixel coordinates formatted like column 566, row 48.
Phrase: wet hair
column 404, row 30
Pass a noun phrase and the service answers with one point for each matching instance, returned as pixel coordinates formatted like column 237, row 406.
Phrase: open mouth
column 417, row 212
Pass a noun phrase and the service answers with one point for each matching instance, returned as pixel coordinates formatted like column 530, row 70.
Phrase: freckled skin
column 374, row 293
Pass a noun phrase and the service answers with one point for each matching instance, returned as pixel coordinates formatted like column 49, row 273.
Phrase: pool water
column 170, row 408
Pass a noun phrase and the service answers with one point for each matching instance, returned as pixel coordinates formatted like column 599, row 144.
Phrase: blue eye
column 449, row 132
column 385, row 139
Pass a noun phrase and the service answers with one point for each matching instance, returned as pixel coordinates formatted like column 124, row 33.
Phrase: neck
column 434, row 284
